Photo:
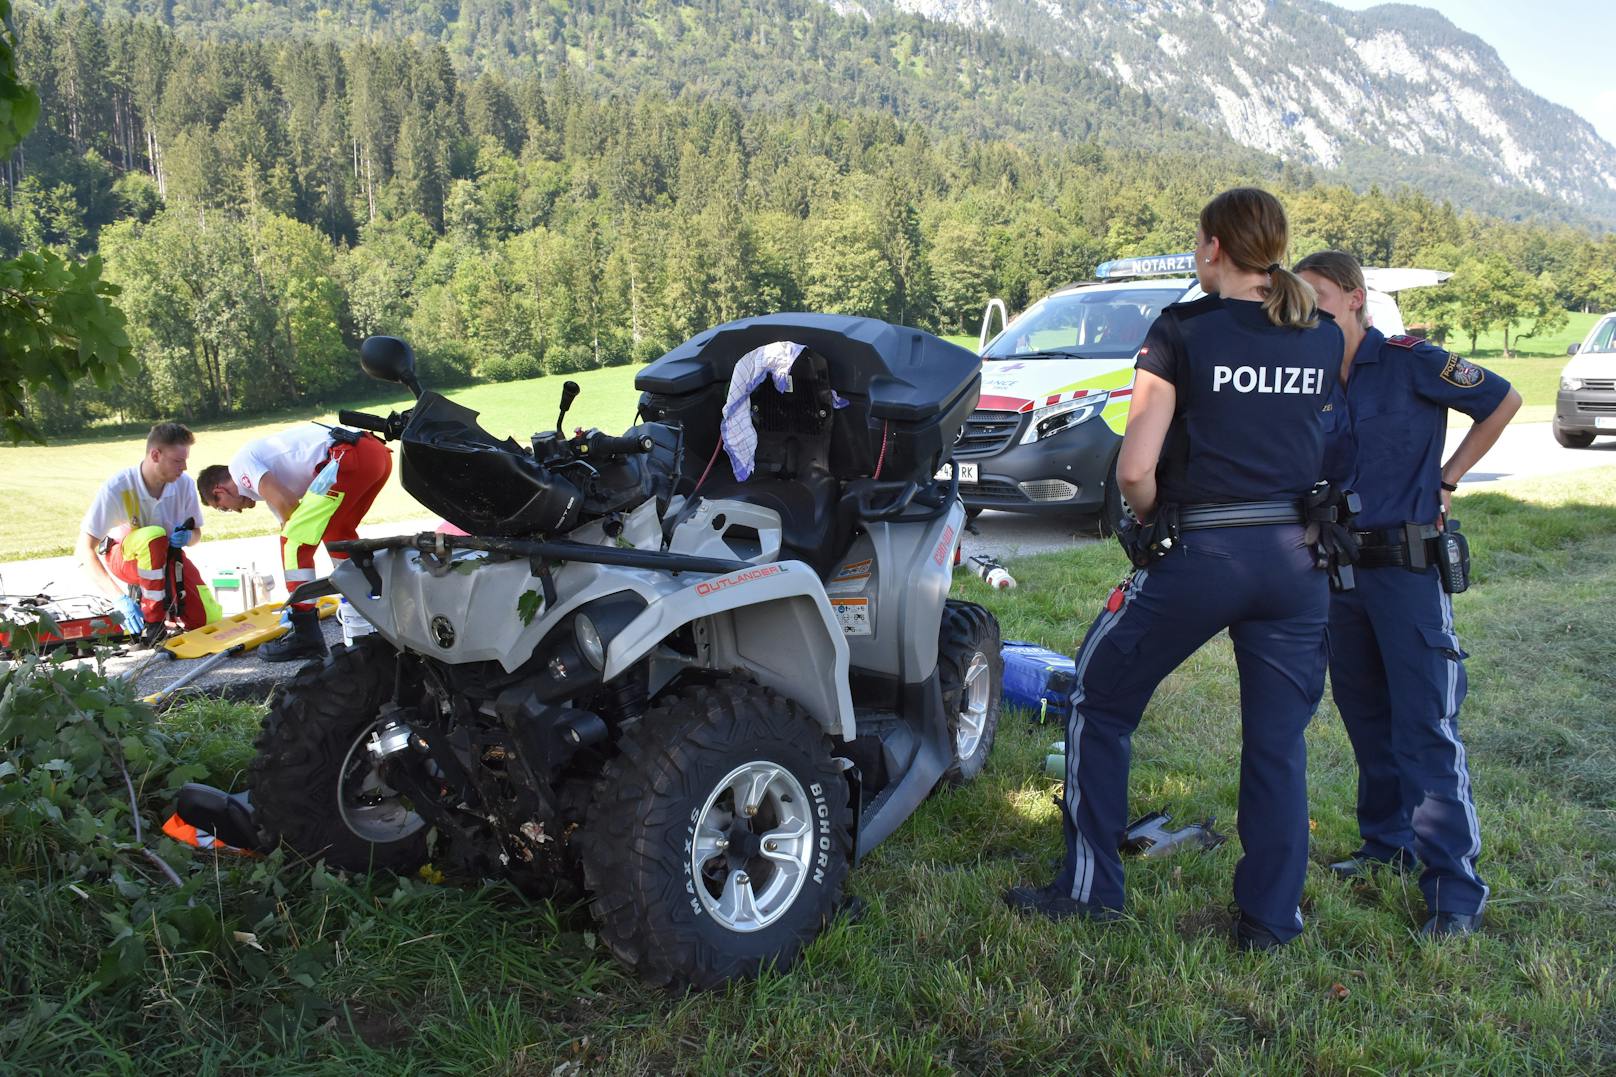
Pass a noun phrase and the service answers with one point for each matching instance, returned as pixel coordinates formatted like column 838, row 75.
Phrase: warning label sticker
column 853, row 614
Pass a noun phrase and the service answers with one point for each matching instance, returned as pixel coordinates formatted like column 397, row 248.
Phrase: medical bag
column 1039, row 680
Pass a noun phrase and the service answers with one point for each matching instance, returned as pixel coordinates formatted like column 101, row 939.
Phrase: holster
column 1328, row 514
column 1145, row 543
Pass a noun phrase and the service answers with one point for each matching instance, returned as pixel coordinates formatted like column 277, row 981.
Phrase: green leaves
column 528, row 604
column 57, row 326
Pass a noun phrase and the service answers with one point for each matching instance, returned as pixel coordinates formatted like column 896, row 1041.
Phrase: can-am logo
column 945, row 545
column 709, row 587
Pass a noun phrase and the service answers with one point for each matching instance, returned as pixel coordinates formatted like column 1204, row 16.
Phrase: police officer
column 1224, row 435
column 1396, row 669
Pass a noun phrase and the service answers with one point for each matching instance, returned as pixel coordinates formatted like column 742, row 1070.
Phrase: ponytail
column 1252, row 232
column 1291, row 301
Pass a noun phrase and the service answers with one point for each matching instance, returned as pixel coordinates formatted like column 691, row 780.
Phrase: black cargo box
column 917, row 388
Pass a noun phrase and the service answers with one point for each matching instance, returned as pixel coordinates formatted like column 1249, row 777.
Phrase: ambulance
column 1057, row 379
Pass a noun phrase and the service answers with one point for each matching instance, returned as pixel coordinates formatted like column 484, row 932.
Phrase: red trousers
column 334, row 514
column 141, row 557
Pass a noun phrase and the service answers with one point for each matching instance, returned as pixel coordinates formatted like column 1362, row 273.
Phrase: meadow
column 316, row 972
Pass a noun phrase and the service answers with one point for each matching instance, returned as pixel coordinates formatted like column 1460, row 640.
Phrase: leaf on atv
column 527, row 606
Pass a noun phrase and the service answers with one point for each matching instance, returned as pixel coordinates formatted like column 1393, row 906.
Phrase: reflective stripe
column 1450, row 730
column 299, row 575
column 1083, row 870
column 150, row 573
column 153, row 594
column 136, row 546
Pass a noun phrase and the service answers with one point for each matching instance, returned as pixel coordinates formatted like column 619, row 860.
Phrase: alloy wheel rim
column 973, row 711
column 751, row 846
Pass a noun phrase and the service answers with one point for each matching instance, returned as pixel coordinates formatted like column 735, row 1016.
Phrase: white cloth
column 292, row 456
column 739, row 436
column 124, row 499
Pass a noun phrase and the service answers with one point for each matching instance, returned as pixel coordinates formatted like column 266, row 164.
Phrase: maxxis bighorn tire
column 312, row 726
column 970, row 669
column 661, row 802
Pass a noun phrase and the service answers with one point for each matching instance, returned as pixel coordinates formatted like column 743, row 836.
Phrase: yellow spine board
column 258, row 625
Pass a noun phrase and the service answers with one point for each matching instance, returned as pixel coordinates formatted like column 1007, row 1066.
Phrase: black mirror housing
column 1572, row 350
column 389, row 359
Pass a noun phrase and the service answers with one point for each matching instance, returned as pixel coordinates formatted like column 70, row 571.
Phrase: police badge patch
column 1462, row 372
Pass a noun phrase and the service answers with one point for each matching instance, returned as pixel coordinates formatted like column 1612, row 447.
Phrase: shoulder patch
column 1462, row 372
column 1403, row 340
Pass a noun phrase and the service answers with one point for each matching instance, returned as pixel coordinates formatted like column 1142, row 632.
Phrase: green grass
column 46, row 489
column 387, row 976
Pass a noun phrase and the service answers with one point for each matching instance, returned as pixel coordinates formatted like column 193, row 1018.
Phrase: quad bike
column 701, row 698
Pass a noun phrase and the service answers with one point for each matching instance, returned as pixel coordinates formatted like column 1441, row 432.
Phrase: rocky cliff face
column 1308, row 81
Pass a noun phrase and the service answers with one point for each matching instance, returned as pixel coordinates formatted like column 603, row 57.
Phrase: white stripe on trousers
column 1083, row 871
column 1461, row 759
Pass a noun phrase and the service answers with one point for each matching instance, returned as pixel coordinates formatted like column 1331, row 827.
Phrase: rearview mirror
column 389, row 359
column 1573, row 349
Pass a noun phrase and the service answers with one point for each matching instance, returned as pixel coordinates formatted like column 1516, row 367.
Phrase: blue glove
column 180, row 537
column 133, row 622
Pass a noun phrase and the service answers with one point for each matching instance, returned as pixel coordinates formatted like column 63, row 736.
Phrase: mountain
column 1391, row 96
column 1373, row 94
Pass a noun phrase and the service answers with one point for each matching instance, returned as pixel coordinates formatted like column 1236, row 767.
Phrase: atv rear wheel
column 718, row 841
column 970, row 668
column 315, row 782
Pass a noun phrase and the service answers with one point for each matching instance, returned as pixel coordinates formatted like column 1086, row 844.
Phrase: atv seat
column 815, row 527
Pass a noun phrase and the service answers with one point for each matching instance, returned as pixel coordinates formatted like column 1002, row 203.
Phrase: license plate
column 1603, row 422
column 967, row 472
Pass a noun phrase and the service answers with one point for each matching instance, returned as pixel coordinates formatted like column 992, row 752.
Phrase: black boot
column 303, row 641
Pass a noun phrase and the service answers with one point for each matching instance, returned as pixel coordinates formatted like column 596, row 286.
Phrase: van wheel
column 1570, row 440
column 970, row 669
column 718, row 841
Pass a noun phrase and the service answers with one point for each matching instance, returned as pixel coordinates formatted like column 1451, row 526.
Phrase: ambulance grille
column 986, row 433
column 1602, row 385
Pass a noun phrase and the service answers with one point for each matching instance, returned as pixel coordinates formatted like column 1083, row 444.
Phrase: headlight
column 1570, row 385
column 1063, row 416
column 594, row 651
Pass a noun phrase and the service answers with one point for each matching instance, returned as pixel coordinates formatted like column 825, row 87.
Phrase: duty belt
column 1240, row 514
column 1412, row 546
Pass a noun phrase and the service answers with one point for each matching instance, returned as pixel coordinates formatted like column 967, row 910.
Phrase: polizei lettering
column 711, row 587
column 1295, row 380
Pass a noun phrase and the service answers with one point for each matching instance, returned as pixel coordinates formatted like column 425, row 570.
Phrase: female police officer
column 1224, row 432
column 1395, row 664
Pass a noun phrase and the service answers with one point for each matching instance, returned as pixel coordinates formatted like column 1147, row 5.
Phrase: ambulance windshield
column 1092, row 323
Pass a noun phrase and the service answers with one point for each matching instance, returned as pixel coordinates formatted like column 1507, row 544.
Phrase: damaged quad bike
column 710, row 695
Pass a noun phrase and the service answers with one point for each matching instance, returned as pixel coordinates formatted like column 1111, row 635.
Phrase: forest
column 264, row 202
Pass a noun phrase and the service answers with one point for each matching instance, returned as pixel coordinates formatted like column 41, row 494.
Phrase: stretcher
column 258, row 625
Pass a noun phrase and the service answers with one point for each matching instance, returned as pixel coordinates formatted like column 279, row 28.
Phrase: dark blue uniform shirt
column 1398, row 392
column 1249, row 393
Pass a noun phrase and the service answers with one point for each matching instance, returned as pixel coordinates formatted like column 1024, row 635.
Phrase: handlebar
column 364, row 421
column 606, row 445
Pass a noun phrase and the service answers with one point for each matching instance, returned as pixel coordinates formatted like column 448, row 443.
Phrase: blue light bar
column 1156, row 265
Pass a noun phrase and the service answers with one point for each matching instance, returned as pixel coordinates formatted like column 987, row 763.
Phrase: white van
column 1585, row 407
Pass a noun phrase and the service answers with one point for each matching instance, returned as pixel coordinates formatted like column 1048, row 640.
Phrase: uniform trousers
column 1398, row 678
column 1261, row 584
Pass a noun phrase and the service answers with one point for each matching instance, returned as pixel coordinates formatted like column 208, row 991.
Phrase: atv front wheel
column 718, row 841
column 971, row 670
column 316, row 786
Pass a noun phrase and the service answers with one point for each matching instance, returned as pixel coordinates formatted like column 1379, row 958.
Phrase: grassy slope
column 45, row 490
column 938, row 977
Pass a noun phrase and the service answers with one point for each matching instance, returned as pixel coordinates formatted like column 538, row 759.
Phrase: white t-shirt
column 292, row 456
column 124, row 499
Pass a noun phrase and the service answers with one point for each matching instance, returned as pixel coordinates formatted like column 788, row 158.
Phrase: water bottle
column 353, row 622
column 1055, row 761
column 992, row 573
